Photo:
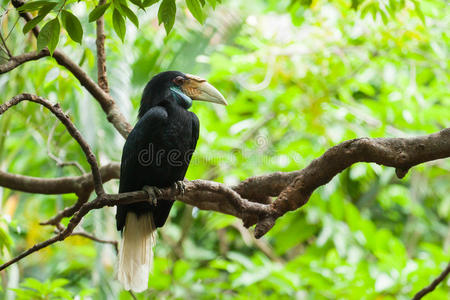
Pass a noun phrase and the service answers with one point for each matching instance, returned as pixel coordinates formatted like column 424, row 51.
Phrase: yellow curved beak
column 198, row 88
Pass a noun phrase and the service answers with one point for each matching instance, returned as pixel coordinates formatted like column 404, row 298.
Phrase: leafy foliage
column 300, row 76
column 49, row 35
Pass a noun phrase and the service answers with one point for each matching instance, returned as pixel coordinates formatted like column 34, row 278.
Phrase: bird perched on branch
column 156, row 155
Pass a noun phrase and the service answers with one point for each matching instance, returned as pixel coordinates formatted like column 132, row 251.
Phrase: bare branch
column 15, row 61
column 115, row 244
column 400, row 153
column 68, row 211
column 33, row 249
column 433, row 285
column 60, row 228
column 57, row 111
column 293, row 188
column 56, row 186
column 132, row 295
column 101, row 55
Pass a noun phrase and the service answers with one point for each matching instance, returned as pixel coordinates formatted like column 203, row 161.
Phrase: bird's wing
column 138, row 140
column 195, row 130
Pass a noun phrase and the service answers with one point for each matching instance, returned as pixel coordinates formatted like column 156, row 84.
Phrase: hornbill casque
column 156, row 155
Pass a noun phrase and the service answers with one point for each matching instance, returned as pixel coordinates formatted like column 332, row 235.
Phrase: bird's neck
column 182, row 99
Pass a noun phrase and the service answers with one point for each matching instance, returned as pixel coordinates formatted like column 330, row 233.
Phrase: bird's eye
column 179, row 80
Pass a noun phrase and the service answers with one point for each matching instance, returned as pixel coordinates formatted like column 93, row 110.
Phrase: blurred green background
column 300, row 77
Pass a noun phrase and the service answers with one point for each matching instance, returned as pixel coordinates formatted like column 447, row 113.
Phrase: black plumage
column 157, row 153
column 159, row 148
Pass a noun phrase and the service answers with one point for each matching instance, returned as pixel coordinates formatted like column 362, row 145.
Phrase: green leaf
column 366, row 8
column 119, row 24
column 72, row 25
column 32, row 6
column 195, row 9
column 384, row 16
column 213, row 3
column 419, row 11
column 49, row 36
column 59, row 282
column 26, row 294
column 5, row 239
column 130, row 15
column 138, row 3
column 355, row 4
column 148, row 3
column 46, row 9
column 43, row 11
column 33, row 284
column 30, row 25
column 98, row 12
column 166, row 14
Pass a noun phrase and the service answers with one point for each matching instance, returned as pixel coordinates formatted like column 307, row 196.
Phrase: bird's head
column 179, row 87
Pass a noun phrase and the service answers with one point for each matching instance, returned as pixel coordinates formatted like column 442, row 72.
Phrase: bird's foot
column 153, row 194
column 180, row 186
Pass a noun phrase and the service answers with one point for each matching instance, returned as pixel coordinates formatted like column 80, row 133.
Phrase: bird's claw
column 180, row 186
column 153, row 194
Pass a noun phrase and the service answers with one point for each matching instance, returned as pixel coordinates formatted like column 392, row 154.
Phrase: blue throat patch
column 181, row 97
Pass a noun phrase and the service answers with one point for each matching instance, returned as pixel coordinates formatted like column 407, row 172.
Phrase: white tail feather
column 136, row 252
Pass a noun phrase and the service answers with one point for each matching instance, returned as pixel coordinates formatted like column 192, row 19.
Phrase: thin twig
column 3, row 40
column 11, row 30
column 115, row 244
column 432, row 285
column 261, row 244
column 33, row 249
column 68, row 211
column 60, row 162
column 132, row 295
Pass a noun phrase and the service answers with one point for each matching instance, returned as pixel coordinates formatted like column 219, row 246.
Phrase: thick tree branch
column 433, row 285
column 250, row 200
column 16, row 61
column 73, row 131
column 56, row 186
column 402, row 153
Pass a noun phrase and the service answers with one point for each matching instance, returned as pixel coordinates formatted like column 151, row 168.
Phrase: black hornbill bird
column 156, row 155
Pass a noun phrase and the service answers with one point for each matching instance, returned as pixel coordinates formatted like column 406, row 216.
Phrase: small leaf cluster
column 49, row 34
